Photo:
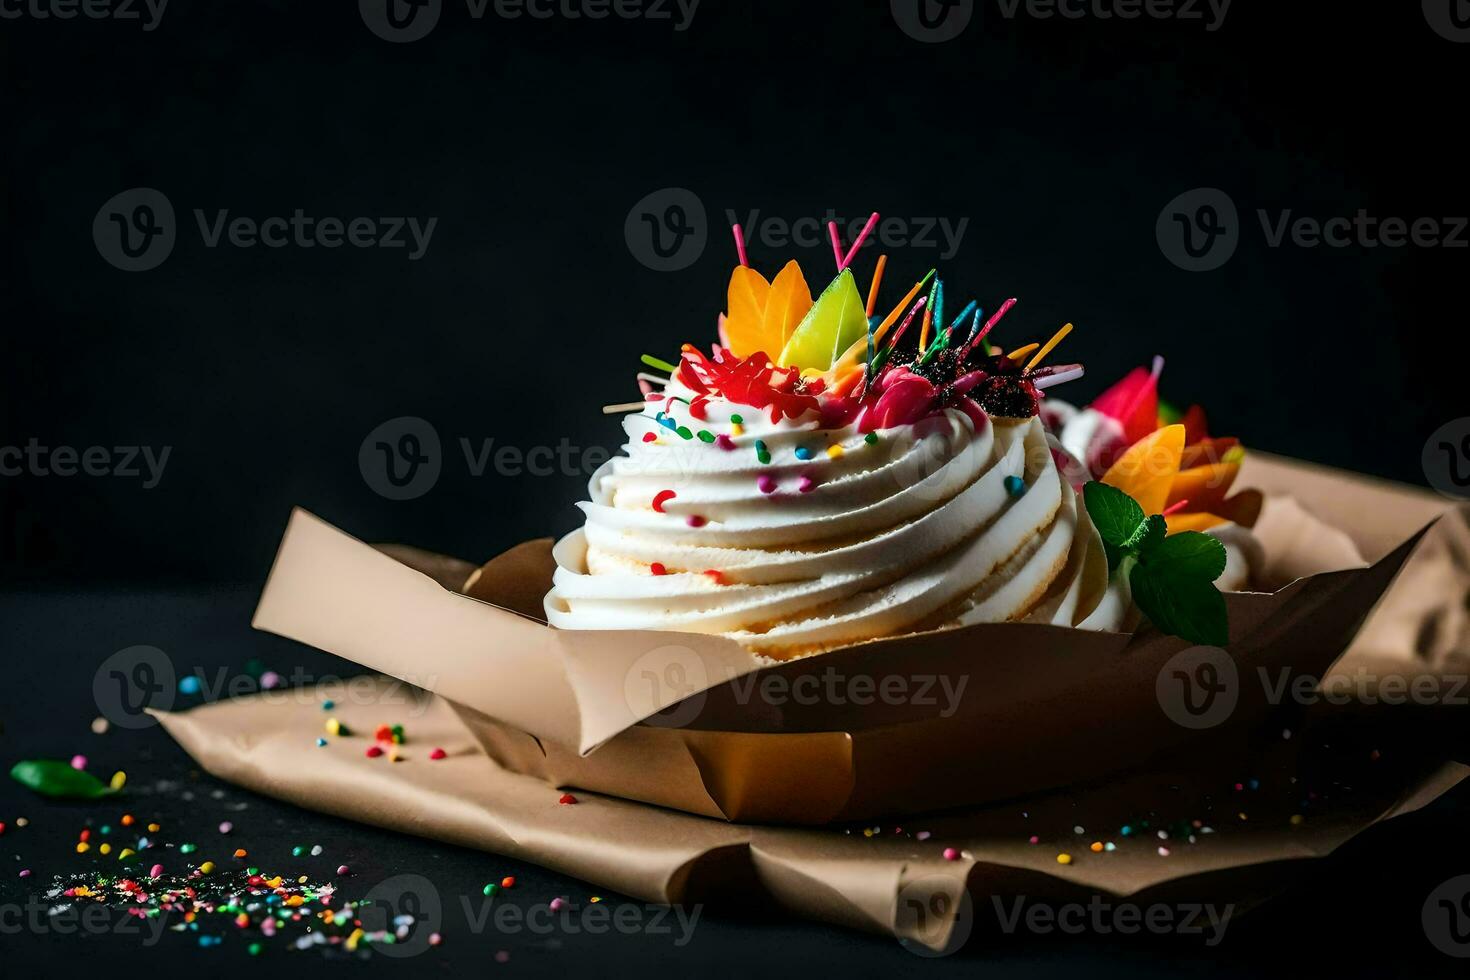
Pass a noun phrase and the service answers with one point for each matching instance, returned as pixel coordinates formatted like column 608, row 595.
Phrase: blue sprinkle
column 1015, row 486
column 328, row 704
column 320, row 741
column 189, row 684
column 1126, row 831
column 803, row 453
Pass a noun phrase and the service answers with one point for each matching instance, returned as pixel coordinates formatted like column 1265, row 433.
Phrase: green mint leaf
column 1150, row 534
column 52, row 777
column 1189, row 554
column 1187, row 607
column 1116, row 515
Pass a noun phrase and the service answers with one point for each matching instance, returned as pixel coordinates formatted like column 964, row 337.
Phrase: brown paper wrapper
column 995, row 708
column 1245, row 844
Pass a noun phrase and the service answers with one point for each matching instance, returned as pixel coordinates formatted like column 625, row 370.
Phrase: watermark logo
column 400, row 21
column 401, row 459
column 1199, row 230
column 667, row 230
column 131, row 681
column 666, row 686
column 932, row 233
column 1446, row 917
column 35, row 459
column 135, row 230
column 932, row 21
column 933, row 915
column 1198, row 687
column 148, row 12
column 1446, row 458
column 409, row 907
column 1450, row 19
column 1102, row 917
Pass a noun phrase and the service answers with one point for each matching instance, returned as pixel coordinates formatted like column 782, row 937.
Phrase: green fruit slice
column 834, row 323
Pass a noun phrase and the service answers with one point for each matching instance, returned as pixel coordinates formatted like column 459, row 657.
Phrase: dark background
column 530, row 141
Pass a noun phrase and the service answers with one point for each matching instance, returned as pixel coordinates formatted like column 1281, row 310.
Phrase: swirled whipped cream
column 797, row 536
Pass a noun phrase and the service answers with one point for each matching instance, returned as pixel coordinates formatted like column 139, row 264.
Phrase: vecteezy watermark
column 1198, row 687
column 930, row 233
column 136, row 230
column 1450, row 19
column 936, row 21
column 1446, row 917
column 667, row 687
column 1103, row 917
column 933, row 915
column 133, row 680
column 403, row 458
column 667, row 230
column 130, row 682
column 409, row 907
column 41, row 917
column 1200, row 230
column 1446, row 458
column 401, row 21
column 123, row 462
column 561, row 916
column 147, row 12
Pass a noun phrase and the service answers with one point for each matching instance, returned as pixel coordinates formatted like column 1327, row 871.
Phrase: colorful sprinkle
column 762, row 454
column 835, row 451
column 805, row 484
column 706, row 436
column 320, row 742
column 661, row 498
column 490, row 889
column 437, row 754
column 871, row 438
column 226, row 827
column 556, row 904
column 684, row 432
column 694, row 520
column 328, row 704
column 725, row 442
column 373, row 751
column 343, row 869
column 118, row 781
column 1015, row 486
column 649, row 436
column 950, row 854
column 189, row 684
column 79, row 762
column 736, row 429
column 270, row 680
column 1064, row 858
column 508, row 882
column 737, row 419
column 657, row 568
column 240, row 853
column 715, row 576
column 803, row 453
column 765, row 483
column 566, row 799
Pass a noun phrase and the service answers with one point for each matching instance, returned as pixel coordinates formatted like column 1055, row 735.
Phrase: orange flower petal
column 1203, row 486
column 1147, row 470
column 745, row 322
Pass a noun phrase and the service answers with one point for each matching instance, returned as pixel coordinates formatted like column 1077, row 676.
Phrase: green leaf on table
column 54, row 778
column 1181, row 605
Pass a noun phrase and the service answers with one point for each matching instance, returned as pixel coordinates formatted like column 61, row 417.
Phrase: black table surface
column 1357, row 912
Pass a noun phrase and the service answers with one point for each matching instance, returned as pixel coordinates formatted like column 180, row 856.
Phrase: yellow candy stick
column 1051, row 345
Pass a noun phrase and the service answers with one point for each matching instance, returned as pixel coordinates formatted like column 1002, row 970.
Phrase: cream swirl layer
column 769, row 535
